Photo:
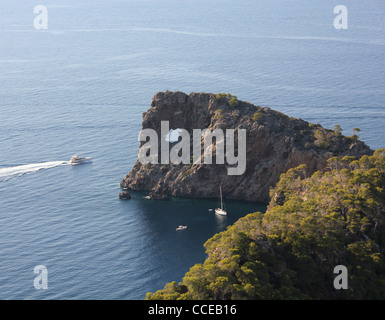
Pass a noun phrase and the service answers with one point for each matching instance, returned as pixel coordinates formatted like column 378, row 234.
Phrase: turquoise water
column 81, row 86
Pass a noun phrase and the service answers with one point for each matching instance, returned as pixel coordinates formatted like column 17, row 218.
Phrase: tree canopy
column 312, row 224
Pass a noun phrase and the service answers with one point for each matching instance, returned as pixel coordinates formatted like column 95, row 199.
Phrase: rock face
column 124, row 195
column 275, row 143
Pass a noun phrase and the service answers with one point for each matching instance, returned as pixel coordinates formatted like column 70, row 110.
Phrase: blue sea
column 80, row 87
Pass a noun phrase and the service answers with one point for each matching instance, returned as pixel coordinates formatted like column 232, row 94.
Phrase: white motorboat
column 78, row 160
column 181, row 228
column 220, row 211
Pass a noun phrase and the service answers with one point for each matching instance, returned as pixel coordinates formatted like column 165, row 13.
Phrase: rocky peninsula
column 275, row 144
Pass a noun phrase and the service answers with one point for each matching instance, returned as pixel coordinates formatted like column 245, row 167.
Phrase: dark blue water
column 81, row 87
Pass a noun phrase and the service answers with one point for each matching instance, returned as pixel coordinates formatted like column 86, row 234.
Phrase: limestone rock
column 124, row 195
column 275, row 143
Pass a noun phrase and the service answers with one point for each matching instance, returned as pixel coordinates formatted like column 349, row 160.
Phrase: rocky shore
column 275, row 143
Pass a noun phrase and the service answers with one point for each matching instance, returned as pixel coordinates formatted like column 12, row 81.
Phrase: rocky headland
column 275, row 143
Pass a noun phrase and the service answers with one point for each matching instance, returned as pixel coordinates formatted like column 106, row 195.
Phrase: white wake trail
column 17, row 171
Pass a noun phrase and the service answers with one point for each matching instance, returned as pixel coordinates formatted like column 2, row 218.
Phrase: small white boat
column 78, row 160
column 220, row 211
column 181, row 228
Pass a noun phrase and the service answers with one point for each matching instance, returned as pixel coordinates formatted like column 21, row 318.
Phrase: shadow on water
column 198, row 214
column 174, row 252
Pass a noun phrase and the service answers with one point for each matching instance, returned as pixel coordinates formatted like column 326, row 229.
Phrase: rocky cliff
column 275, row 143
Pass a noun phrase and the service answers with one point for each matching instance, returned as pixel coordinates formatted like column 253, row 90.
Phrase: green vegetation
column 256, row 116
column 321, row 139
column 148, row 166
column 233, row 102
column 337, row 130
column 312, row 224
column 355, row 131
column 224, row 96
column 229, row 98
column 218, row 114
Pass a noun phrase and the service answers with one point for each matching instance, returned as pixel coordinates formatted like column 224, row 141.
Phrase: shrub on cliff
column 322, row 139
column 312, row 225
column 256, row 116
column 229, row 98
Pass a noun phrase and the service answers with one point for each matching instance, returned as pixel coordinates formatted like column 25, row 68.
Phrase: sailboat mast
column 220, row 188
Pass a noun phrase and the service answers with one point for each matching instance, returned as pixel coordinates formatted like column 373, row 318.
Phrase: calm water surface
column 81, row 87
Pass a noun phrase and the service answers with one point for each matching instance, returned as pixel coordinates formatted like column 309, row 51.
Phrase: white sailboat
column 220, row 211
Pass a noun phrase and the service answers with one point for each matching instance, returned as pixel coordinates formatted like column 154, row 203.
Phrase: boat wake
column 17, row 171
